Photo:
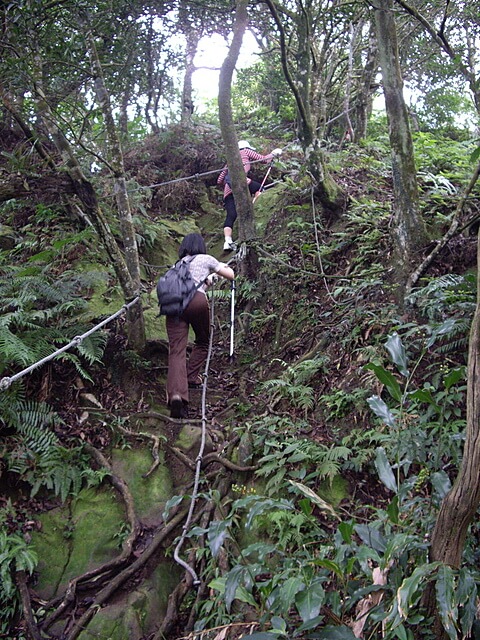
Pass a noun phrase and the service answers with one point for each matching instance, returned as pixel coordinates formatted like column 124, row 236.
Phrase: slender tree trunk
column 326, row 189
column 88, row 198
column 460, row 505
column 136, row 326
column 243, row 200
column 409, row 231
column 193, row 39
column 363, row 99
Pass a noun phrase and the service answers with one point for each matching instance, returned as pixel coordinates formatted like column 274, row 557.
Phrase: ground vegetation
column 342, row 432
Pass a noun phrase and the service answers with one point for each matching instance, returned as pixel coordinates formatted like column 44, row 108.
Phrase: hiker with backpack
column 182, row 375
column 248, row 155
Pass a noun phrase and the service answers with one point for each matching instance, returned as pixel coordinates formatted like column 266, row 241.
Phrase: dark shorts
column 231, row 209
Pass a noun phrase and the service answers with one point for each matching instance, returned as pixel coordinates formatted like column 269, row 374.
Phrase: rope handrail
column 6, row 382
column 194, row 176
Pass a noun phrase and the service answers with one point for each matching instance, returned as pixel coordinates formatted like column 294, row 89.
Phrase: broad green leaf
column 218, row 584
column 371, row 537
column 467, row 598
column 392, row 510
column 279, row 624
column 217, row 534
column 441, row 483
column 475, row 155
column 408, row 589
column 315, row 498
column 397, row 352
column 172, row 502
column 330, row 565
column 384, row 470
column 232, row 584
column 309, row 601
column 346, row 529
column 310, row 624
column 423, row 395
column 387, row 379
column 443, row 329
column 380, row 409
column 401, row 632
column 289, row 590
column 453, row 377
column 445, row 588
column 245, row 596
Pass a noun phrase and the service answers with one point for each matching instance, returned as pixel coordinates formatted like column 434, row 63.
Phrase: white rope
column 198, row 461
column 194, row 176
column 6, row 382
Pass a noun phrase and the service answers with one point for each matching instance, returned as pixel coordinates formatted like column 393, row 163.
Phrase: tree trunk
column 363, row 99
column 193, row 39
column 460, row 505
column 326, row 189
column 87, row 196
column 410, row 234
column 243, row 199
column 135, row 321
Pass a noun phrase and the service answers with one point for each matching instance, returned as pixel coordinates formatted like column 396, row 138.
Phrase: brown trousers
column 197, row 314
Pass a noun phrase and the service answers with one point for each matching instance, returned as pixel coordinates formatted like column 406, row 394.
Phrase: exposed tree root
column 21, row 580
column 100, row 573
column 102, row 596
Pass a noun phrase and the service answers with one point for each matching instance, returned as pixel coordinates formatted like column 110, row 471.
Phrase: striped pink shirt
column 247, row 155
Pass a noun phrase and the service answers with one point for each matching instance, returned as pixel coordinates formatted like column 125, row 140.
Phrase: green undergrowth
column 354, row 411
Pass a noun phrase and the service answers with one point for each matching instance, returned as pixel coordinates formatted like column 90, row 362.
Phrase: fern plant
column 34, row 453
column 282, row 455
column 15, row 555
column 38, row 313
column 293, row 384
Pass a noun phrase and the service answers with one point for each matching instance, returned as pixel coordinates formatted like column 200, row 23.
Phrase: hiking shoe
column 229, row 245
column 176, row 407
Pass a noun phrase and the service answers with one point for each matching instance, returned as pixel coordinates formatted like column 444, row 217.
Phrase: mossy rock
column 7, row 238
column 149, row 494
column 76, row 538
column 334, row 491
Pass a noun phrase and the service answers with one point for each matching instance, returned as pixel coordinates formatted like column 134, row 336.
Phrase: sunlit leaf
column 315, row 498
column 384, row 470
column 397, row 352
column 407, row 591
column 380, row 409
column 387, row 379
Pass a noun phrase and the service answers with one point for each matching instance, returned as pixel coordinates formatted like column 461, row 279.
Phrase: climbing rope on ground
column 199, row 458
column 6, row 382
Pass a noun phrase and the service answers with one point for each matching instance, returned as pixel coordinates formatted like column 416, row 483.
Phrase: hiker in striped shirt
column 248, row 155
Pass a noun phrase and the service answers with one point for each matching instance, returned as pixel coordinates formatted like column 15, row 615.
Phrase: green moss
column 149, row 494
column 335, row 491
column 65, row 545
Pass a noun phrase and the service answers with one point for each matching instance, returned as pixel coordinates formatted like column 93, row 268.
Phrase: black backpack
column 176, row 288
